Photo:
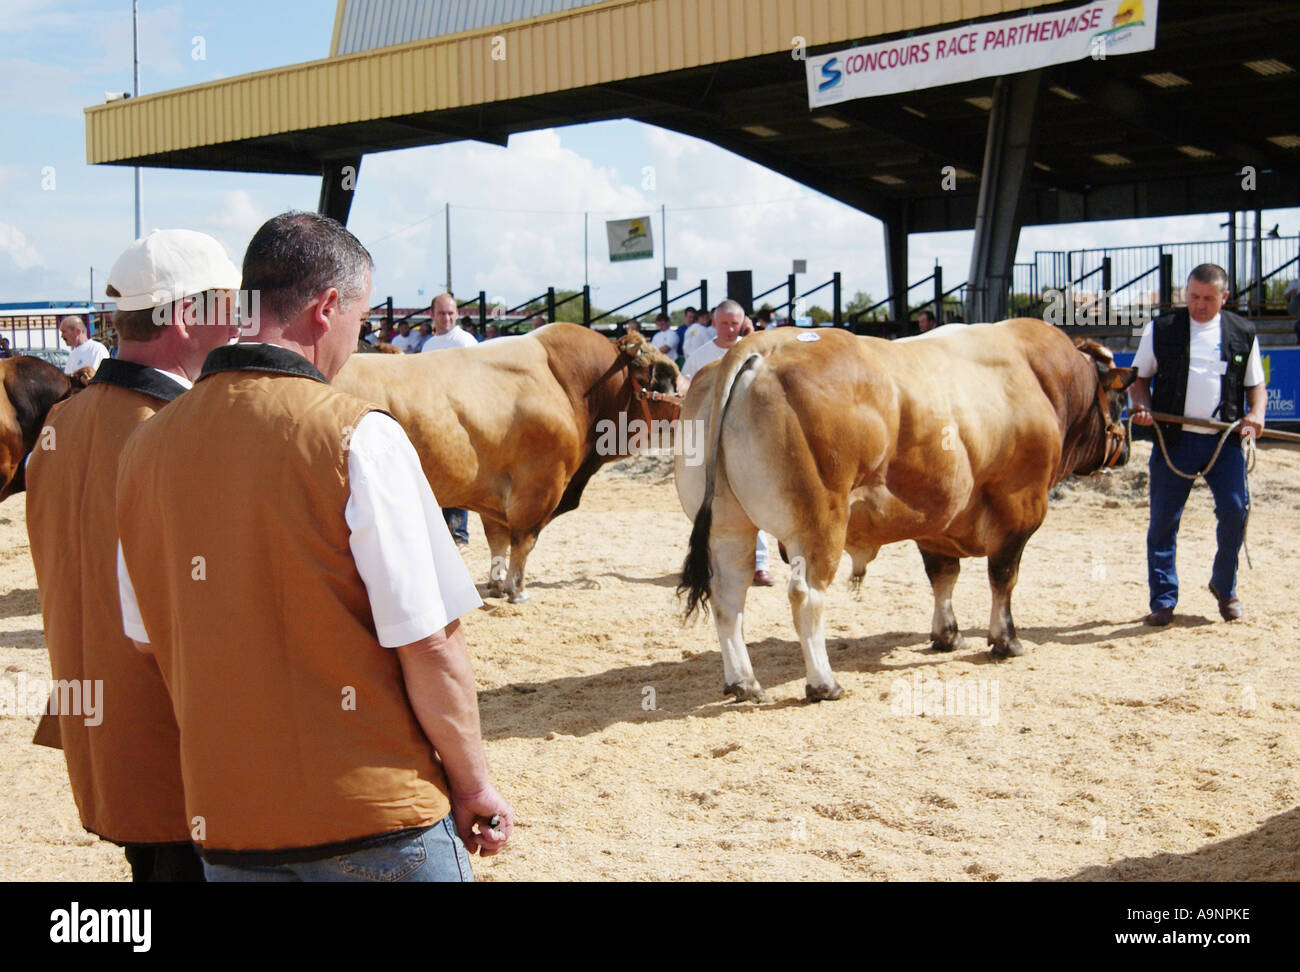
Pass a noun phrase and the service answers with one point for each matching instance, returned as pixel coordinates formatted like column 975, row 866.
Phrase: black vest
column 1171, row 336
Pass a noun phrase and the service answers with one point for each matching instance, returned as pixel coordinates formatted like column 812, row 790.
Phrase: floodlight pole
column 135, row 93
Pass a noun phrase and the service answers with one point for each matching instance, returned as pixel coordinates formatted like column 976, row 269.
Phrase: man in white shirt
column 728, row 318
column 700, row 333
column 446, row 332
column 406, row 340
column 665, row 338
column 86, row 351
column 1206, row 365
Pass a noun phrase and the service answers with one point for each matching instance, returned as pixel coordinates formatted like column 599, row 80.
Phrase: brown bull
column 512, row 429
column 31, row 387
column 833, row 442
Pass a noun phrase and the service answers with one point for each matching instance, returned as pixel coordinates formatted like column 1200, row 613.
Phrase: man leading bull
column 1206, row 365
column 308, row 635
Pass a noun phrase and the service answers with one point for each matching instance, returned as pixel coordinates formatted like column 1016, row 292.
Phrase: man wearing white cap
column 86, row 351
column 175, row 291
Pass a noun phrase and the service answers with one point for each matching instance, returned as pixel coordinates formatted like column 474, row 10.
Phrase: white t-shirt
column 702, row 356
column 666, row 341
column 405, row 344
column 457, row 337
column 416, row 581
column 88, row 354
column 1205, row 368
column 697, row 335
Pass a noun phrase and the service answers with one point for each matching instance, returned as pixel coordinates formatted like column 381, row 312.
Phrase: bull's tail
column 697, row 573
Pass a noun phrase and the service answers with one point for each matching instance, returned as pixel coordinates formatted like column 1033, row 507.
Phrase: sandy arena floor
column 1111, row 751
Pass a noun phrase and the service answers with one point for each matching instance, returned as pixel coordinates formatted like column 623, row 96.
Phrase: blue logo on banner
column 831, row 75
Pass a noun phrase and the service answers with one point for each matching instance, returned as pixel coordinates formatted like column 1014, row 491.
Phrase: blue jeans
column 1227, row 481
column 457, row 523
column 432, row 854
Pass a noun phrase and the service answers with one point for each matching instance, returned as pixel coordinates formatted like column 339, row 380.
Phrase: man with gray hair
column 306, row 630
column 1205, row 362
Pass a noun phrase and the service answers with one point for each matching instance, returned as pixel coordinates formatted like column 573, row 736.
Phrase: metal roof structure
column 1162, row 133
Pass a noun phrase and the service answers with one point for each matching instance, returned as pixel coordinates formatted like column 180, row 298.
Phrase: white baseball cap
column 166, row 265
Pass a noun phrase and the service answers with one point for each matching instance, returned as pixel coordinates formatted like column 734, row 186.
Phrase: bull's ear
column 1117, row 379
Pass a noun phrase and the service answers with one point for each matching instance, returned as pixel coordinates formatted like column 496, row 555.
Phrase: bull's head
column 649, row 366
column 1112, row 384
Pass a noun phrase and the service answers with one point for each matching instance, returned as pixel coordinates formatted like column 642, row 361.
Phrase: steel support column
column 338, row 180
column 1004, row 184
column 896, row 230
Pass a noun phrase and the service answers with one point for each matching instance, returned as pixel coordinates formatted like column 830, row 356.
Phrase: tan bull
column 512, row 428
column 833, row 442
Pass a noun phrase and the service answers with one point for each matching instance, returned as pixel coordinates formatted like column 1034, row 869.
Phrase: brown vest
column 125, row 772
column 295, row 728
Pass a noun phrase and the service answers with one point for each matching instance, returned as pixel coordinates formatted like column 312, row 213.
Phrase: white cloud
column 21, row 253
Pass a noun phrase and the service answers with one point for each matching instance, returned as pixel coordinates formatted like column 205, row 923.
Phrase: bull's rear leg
column 1004, row 570
column 942, row 571
column 498, row 538
column 812, row 570
column 731, row 557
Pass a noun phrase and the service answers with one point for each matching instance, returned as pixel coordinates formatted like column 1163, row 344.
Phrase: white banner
column 630, row 239
column 1099, row 30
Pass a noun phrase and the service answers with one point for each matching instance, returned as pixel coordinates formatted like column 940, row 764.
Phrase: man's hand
column 1257, row 398
column 1139, row 399
column 468, row 809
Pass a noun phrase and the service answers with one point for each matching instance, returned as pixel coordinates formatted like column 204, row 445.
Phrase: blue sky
column 724, row 213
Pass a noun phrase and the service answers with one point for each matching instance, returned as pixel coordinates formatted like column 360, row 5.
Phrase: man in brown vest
column 124, row 762
column 306, row 627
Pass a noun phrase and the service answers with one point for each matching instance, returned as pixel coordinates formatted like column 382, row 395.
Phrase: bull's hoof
column 948, row 641
column 823, row 693
column 519, row 597
column 1007, row 648
column 752, row 692
column 494, row 592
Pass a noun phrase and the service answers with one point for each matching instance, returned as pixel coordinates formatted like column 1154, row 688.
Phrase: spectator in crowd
column 448, row 334
column 729, row 317
column 319, row 674
column 86, row 351
column 490, row 332
column 5, row 350
column 665, row 338
column 405, row 339
column 925, row 321
column 426, row 332
column 763, row 319
column 698, row 334
column 631, row 326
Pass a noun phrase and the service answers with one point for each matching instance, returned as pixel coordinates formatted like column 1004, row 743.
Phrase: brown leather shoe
column 763, row 579
column 1160, row 617
column 1230, row 608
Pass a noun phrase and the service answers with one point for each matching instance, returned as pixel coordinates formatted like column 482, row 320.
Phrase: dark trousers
column 457, row 523
column 163, row 863
column 1227, row 481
